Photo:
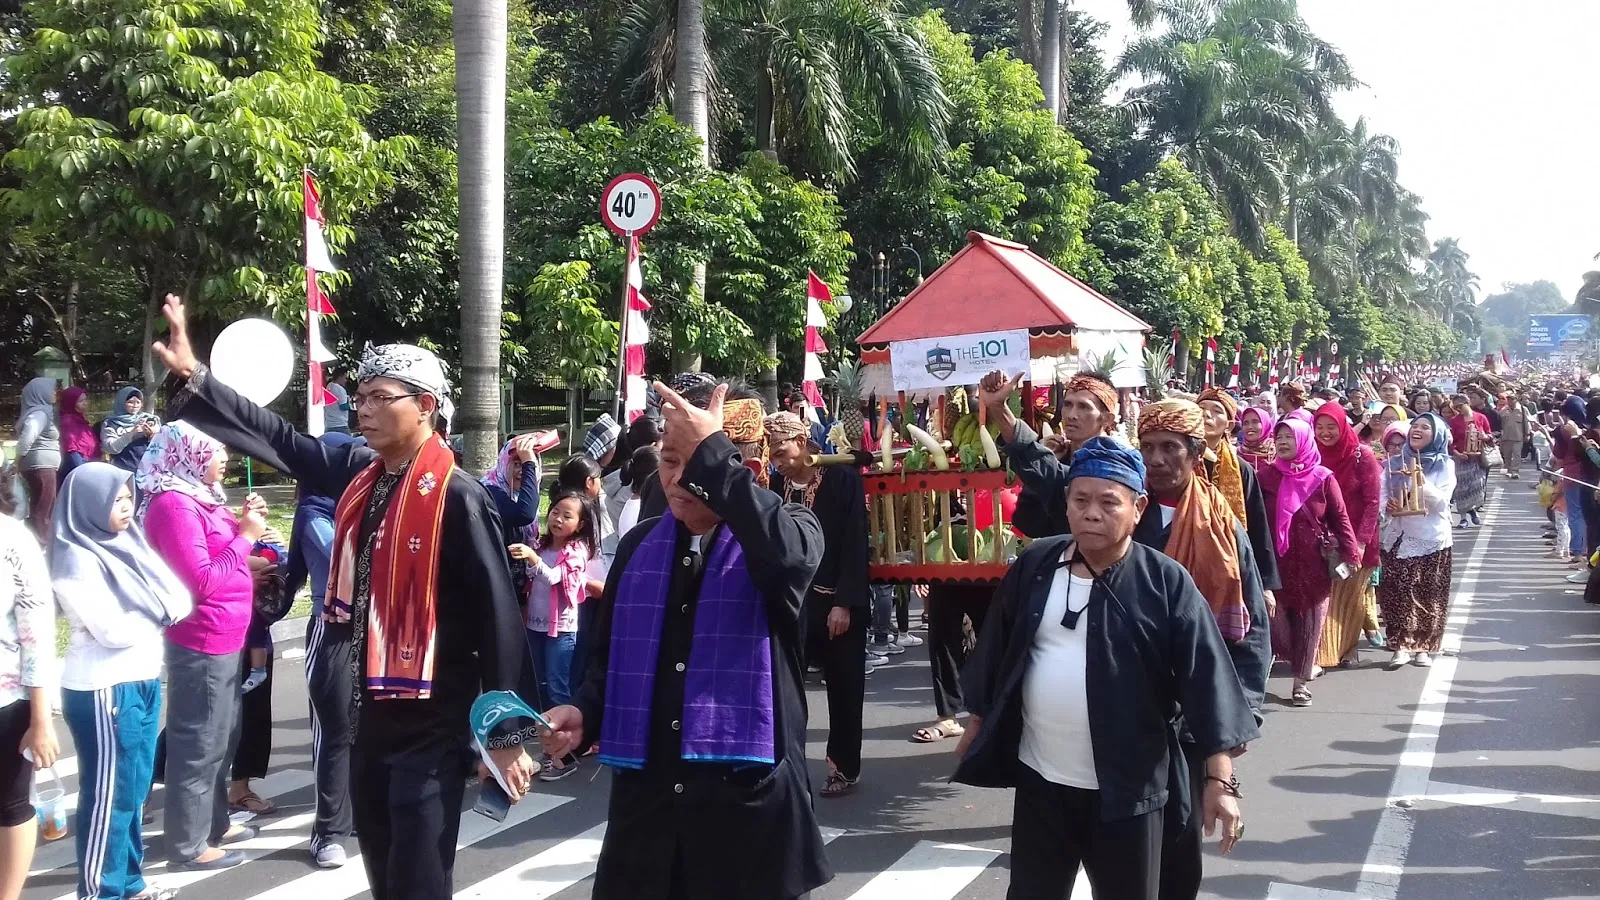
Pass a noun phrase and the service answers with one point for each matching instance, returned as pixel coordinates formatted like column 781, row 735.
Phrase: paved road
column 1499, row 748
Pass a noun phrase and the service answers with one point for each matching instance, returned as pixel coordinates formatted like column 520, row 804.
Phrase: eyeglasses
column 378, row 401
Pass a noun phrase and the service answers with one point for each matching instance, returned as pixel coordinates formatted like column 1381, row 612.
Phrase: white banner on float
column 962, row 359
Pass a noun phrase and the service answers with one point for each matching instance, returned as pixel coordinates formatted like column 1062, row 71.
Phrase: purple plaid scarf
column 727, row 692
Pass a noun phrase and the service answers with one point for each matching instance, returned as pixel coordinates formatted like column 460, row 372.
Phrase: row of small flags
column 1282, row 365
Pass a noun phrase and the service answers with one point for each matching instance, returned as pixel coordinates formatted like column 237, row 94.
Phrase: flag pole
column 619, row 402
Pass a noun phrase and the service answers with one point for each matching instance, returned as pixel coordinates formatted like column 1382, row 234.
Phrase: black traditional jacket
column 729, row 834
column 1152, row 645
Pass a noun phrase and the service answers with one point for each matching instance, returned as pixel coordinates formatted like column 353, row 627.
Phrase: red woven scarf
column 401, row 617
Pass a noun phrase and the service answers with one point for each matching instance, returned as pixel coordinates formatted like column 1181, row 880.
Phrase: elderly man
column 837, row 611
column 1093, row 643
column 694, row 681
column 419, row 587
column 1192, row 522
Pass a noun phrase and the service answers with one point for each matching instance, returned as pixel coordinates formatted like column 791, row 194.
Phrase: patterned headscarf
column 743, row 421
column 1230, row 405
column 500, row 475
column 176, row 460
column 1228, row 478
column 786, row 426
column 411, row 365
column 1103, row 393
column 601, row 437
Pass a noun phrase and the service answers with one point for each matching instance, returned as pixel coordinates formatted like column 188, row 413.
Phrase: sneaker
column 874, row 660
column 1475, row 520
column 1461, row 524
column 870, row 669
column 1422, row 659
column 892, row 648
column 1579, row 577
column 549, row 772
column 328, row 854
column 907, row 639
column 1400, row 658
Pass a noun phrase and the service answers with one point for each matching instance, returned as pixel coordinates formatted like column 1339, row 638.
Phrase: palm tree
column 811, row 66
column 479, row 30
column 1451, row 287
column 691, row 76
column 1234, row 88
column 1042, row 43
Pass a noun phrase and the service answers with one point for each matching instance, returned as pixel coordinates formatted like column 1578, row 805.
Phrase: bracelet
column 1230, row 786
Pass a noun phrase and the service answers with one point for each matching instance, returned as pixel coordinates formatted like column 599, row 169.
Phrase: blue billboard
column 1557, row 332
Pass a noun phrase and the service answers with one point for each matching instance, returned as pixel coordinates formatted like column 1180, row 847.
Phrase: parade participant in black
column 1238, row 483
column 836, row 614
column 1088, row 410
column 1093, row 644
column 1191, row 521
column 694, row 685
column 419, row 585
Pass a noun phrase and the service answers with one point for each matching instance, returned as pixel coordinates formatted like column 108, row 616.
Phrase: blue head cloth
column 1438, row 448
column 1103, row 457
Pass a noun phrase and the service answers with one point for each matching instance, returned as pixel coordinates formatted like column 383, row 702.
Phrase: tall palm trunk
column 479, row 28
column 1050, row 56
column 691, row 77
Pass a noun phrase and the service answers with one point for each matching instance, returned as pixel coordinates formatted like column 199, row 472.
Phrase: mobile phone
column 492, row 801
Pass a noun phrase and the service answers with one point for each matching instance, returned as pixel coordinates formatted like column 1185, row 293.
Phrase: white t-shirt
column 1055, row 692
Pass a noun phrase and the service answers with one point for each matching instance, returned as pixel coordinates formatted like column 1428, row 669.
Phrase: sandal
column 938, row 731
column 1301, row 696
column 838, row 786
column 251, row 802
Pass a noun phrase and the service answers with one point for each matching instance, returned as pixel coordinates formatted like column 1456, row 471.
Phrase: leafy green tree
column 170, row 140
column 1505, row 314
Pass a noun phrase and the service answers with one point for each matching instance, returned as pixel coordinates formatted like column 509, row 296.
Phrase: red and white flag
column 1211, row 361
column 1233, row 379
column 635, row 337
column 1258, row 377
column 817, row 293
column 317, row 306
column 1273, row 375
column 1334, row 368
column 1172, row 350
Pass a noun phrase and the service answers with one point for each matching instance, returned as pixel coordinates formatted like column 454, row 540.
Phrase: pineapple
column 847, row 381
column 1156, row 373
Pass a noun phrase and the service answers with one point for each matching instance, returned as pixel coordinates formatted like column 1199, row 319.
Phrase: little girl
column 566, row 570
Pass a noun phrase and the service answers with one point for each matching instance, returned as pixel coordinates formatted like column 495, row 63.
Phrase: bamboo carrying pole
column 875, row 541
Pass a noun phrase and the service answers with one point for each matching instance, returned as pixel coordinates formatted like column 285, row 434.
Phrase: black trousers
column 1055, row 828
column 407, row 814
column 1182, row 861
column 328, row 685
column 844, row 661
column 947, row 651
column 254, row 753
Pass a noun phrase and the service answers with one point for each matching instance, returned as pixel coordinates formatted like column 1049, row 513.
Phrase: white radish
column 1044, row 430
column 941, row 460
column 886, row 447
column 991, row 453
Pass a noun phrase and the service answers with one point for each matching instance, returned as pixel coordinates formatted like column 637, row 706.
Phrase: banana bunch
column 967, row 435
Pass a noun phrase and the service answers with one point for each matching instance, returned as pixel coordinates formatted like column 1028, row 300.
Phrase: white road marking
column 351, row 879
column 544, row 874
column 1279, row 891
column 929, row 871
column 1391, row 840
column 1549, row 804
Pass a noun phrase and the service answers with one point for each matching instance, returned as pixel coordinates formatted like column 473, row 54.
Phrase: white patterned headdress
column 412, row 365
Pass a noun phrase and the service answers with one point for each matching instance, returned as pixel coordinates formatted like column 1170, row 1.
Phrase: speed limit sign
column 630, row 204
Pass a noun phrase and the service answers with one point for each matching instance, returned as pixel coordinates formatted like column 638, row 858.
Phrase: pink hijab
column 1301, row 477
column 77, row 435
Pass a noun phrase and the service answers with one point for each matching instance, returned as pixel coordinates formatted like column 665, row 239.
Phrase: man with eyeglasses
column 419, row 586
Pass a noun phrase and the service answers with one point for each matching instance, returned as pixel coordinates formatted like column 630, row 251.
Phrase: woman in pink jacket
column 189, row 525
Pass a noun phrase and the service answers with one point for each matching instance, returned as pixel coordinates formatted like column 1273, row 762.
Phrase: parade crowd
column 665, row 599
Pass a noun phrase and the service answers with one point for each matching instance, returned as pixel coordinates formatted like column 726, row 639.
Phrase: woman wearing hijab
column 327, row 670
column 1312, row 534
column 1356, row 472
column 1255, row 438
column 190, row 526
column 119, row 596
column 1378, row 424
column 39, row 451
column 127, row 431
column 1415, row 590
column 78, row 441
column 1469, row 427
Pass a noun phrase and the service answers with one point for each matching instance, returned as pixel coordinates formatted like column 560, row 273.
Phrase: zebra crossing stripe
column 929, row 871
column 62, row 853
column 544, row 874
column 351, row 879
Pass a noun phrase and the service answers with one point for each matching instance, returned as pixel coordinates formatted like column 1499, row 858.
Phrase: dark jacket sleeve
column 220, row 412
column 1214, row 704
column 1252, row 654
column 480, row 575
column 1260, row 530
column 849, row 541
column 1037, row 466
column 782, row 542
column 652, row 498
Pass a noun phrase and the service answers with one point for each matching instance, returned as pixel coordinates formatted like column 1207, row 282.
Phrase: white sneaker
column 1422, row 659
column 907, row 639
column 870, row 669
column 328, row 855
column 1400, row 658
column 1579, row 577
column 874, row 660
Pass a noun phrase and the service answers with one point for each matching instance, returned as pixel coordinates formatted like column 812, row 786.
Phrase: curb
column 289, row 638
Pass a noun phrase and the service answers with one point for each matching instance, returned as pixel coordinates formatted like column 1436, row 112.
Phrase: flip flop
column 251, row 802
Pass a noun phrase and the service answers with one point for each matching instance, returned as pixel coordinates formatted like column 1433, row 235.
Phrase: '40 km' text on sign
column 963, row 359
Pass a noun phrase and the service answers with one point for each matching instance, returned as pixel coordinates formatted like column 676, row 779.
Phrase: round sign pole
column 629, row 205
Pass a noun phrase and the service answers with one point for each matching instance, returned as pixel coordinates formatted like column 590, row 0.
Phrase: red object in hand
column 544, row 440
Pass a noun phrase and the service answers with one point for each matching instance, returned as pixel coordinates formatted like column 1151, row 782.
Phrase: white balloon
column 255, row 358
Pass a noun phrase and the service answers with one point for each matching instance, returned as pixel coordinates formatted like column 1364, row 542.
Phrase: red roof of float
column 998, row 285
